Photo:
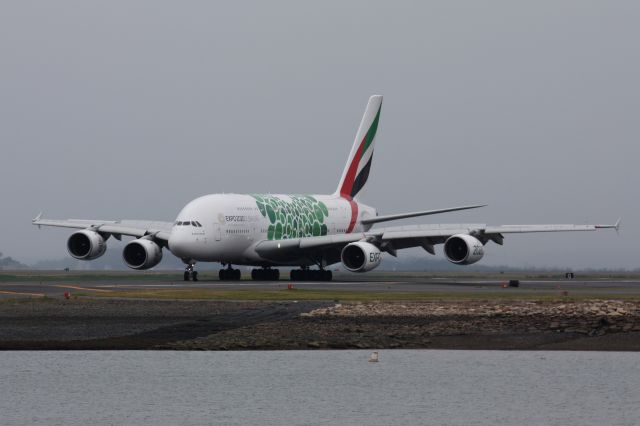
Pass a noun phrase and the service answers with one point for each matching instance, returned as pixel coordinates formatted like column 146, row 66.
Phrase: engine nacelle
column 142, row 254
column 86, row 245
column 360, row 256
column 463, row 249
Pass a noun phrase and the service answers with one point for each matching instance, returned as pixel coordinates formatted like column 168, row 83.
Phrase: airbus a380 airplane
column 269, row 230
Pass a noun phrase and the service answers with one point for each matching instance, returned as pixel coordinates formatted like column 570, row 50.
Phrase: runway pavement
column 435, row 285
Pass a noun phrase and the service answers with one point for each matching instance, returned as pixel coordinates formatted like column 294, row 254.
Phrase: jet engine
column 463, row 249
column 86, row 245
column 360, row 256
column 142, row 254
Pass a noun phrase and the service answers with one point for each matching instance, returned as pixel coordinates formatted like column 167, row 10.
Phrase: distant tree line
column 9, row 263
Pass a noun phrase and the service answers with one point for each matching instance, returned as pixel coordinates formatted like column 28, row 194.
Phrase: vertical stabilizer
column 356, row 172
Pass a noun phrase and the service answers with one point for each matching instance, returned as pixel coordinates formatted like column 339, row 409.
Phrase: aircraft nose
column 179, row 244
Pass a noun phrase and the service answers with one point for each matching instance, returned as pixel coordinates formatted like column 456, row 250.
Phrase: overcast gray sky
column 129, row 109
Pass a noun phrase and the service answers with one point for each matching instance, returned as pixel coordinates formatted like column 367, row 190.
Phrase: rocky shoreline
column 596, row 325
column 215, row 325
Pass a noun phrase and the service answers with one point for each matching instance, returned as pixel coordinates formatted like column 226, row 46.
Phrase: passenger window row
column 189, row 223
column 237, row 231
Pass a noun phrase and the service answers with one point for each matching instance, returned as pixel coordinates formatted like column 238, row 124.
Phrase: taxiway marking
column 21, row 294
column 83, row 288
column 245, row 284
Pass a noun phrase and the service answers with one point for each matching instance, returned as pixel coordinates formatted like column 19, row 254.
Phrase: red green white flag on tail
column 356, row 172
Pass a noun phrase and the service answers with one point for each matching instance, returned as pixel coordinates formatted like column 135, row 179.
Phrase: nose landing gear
column 190, row 273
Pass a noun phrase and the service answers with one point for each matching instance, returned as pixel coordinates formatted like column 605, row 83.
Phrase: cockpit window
column 188, row 223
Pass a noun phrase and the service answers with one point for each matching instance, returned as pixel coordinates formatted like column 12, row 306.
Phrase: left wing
column 116, row 228
column 399, row 237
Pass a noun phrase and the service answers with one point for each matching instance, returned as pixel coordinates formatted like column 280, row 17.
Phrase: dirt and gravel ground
column 87, row 323
column 105, row 323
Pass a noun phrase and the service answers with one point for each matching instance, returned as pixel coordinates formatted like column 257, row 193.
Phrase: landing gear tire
column 297, row 275
column 189, row 273
column 310, row 275
column 229, row 274
column 265, row 274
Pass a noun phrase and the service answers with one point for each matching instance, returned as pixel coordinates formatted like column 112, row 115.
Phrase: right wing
column 390, row 217
column 400, row 237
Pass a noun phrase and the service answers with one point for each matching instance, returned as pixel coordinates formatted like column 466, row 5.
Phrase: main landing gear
column 229, row 274
column 189, row 273
column 265, row 274
column 306, row 274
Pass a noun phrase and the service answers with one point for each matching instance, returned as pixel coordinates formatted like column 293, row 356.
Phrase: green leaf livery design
column 303, row 216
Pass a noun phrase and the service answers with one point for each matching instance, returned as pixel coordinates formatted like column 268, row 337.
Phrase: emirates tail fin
column 356, row 171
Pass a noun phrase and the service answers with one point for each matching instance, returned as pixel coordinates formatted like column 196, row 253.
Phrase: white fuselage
column 226, row 227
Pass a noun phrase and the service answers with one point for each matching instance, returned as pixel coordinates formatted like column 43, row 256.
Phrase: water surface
column 320, row 387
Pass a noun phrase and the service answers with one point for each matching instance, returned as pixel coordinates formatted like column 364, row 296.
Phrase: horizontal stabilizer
column 387, row 218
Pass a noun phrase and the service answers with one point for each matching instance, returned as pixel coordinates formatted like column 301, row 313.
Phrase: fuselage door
column 217, row 232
